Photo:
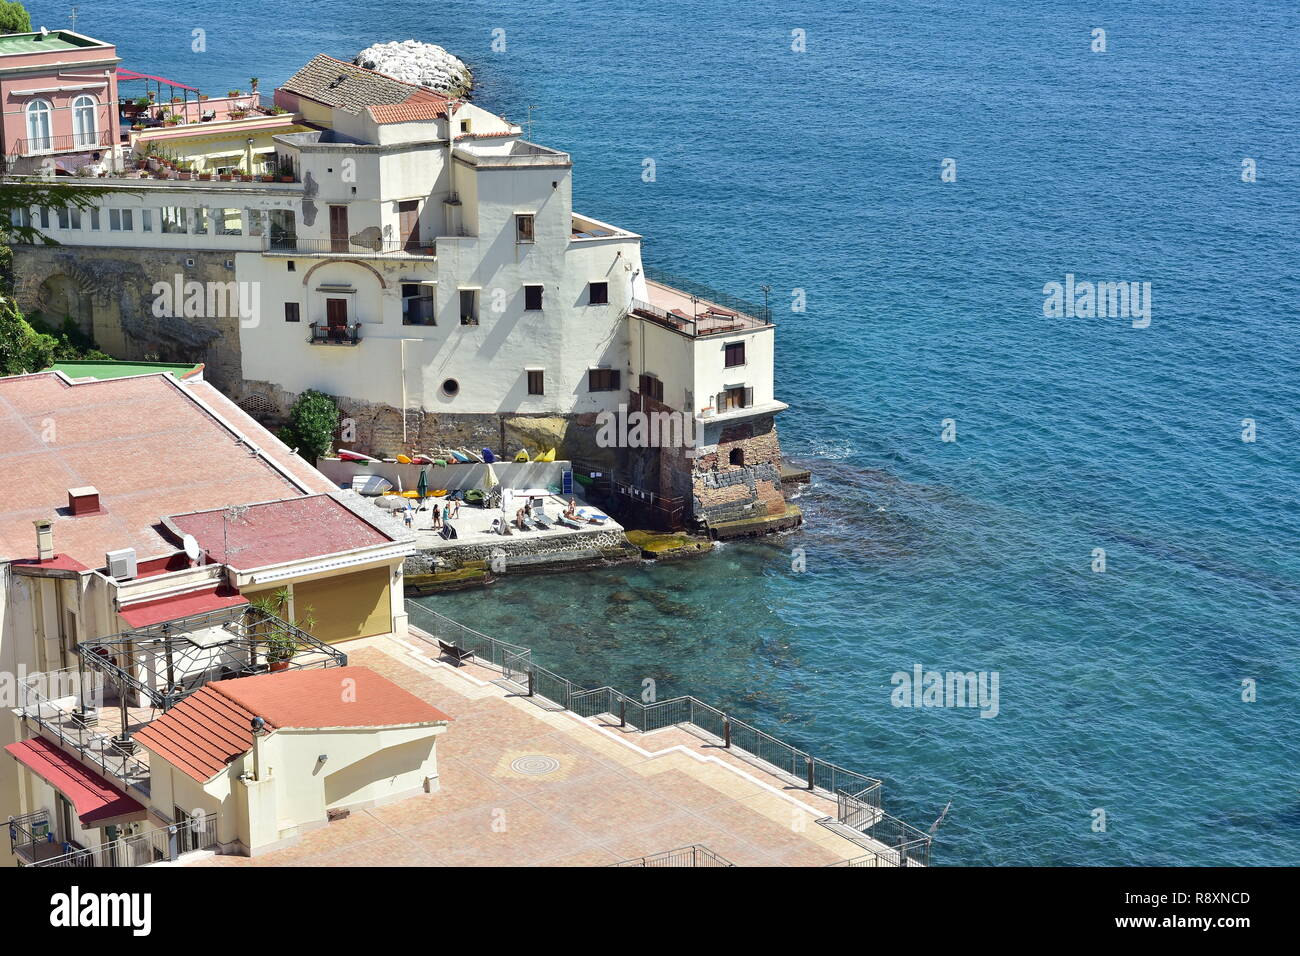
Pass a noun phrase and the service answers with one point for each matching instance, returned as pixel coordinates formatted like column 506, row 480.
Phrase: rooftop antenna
column 530, row 122
column 73, row 16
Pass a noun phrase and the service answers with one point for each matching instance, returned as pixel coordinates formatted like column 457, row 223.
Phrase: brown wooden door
column 336, row 318
column 408, row 222
column 338, row 228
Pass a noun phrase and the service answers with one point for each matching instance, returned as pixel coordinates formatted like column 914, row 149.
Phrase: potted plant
column 205, row 176
column 252, row 84
column 225, row 177
column 277, row 630
column 238, row 113
column 233, row 93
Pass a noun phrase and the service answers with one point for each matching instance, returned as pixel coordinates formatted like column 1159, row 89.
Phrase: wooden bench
column 459, row 654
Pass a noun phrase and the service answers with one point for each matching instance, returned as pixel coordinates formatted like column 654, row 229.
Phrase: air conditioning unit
column 121, row 564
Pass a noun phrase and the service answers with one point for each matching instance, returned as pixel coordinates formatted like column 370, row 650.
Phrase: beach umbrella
column 490, row 480
column 422, row 488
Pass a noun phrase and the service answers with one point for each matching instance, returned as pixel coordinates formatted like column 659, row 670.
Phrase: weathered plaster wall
column 113, row 291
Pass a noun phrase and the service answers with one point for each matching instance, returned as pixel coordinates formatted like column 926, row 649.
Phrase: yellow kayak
column 522, row 456
column 549, row 456
column 403, row 460
column 438, row 493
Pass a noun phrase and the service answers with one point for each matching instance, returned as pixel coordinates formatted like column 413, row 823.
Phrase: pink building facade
column 58, row 102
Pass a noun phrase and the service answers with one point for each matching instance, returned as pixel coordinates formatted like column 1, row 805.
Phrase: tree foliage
column 22, row 348
column 14, row 17
column 312, row 422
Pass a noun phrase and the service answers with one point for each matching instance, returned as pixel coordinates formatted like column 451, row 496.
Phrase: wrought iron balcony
column 354, row 246
column 65, row 143
column 335, row 334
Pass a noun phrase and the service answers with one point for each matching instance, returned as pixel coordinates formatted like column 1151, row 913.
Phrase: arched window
column 38, row 126
column 84, row 112
column 737, row 456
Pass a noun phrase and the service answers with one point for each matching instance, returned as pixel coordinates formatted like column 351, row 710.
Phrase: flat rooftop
column 152, row 445
column 105, row 369
column 570, row 791
column 11, row 43
column 691, row 313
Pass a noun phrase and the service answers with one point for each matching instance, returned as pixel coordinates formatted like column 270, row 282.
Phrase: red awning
column 124, row 75
column 181, row 605
column 96, row 800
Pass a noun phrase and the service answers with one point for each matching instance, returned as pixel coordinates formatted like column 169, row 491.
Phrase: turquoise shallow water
column 820, row 171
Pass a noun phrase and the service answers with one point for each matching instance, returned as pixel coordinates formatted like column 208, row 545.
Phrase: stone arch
column 61, row 296
column 306, row 276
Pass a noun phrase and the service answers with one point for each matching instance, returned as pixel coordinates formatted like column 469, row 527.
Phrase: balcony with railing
column 353, row 247
column 322, row 334
column 157, row 845
column 696, row 310
column 64, row 143
column 32, row 839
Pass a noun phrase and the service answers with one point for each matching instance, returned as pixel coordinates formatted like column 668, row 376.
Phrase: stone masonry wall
column 725, row 492
column 116, row 287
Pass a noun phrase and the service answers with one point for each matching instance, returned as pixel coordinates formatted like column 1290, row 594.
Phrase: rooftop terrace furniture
column 459, row 654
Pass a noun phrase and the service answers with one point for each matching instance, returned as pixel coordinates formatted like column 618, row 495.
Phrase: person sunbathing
column 571, row 511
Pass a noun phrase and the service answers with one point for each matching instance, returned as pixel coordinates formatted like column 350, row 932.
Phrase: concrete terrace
column 473, row 526
column 523, row 785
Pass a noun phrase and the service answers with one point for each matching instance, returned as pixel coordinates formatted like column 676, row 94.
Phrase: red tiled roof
column 95, row 799
column 276, row 532
column 416, row 108
column 211, row 727
column 177, row 606
column 143, row 441
column 203, row 733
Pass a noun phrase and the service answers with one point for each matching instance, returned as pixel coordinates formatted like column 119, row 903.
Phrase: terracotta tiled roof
column 202, row 734
column 276, row 532
column 409, row 111
column 207, row 730
column 341, row 84
column 149, row 448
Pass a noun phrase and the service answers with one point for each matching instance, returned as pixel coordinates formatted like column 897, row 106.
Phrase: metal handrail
column 857, row 796
column 141, row 849
column 131, row 770
column 423, row 249
column 693, row 855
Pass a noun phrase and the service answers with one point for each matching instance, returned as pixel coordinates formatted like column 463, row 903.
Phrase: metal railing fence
column 858, row 797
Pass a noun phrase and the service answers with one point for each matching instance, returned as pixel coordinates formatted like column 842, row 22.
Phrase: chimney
column 44, row 539
column 83, row 501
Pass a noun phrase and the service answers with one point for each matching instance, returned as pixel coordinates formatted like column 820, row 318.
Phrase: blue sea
column 1119, row 691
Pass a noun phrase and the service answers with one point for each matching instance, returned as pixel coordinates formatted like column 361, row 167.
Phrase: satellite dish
column 191, row 546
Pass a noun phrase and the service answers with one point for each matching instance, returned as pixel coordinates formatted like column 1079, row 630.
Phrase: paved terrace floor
column 604, row 795
column 473, row 526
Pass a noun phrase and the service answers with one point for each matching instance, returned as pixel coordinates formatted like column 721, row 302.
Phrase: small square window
column 524, row 227
column 733, row 354
column 602, row 380
column 292, row 267
column 598, row 293
column 532, row 298
column 536, row 381
column 292, row 312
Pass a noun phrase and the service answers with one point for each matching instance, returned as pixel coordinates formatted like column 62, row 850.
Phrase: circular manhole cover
column 535, row 765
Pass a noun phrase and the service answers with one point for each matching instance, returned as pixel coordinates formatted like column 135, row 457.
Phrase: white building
column 425, row 266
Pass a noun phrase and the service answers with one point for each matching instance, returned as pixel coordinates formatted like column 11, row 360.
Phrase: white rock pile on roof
column 424, row 64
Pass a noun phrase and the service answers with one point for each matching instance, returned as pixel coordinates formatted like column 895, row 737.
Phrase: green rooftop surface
column 104, row 369
column 35, row 43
